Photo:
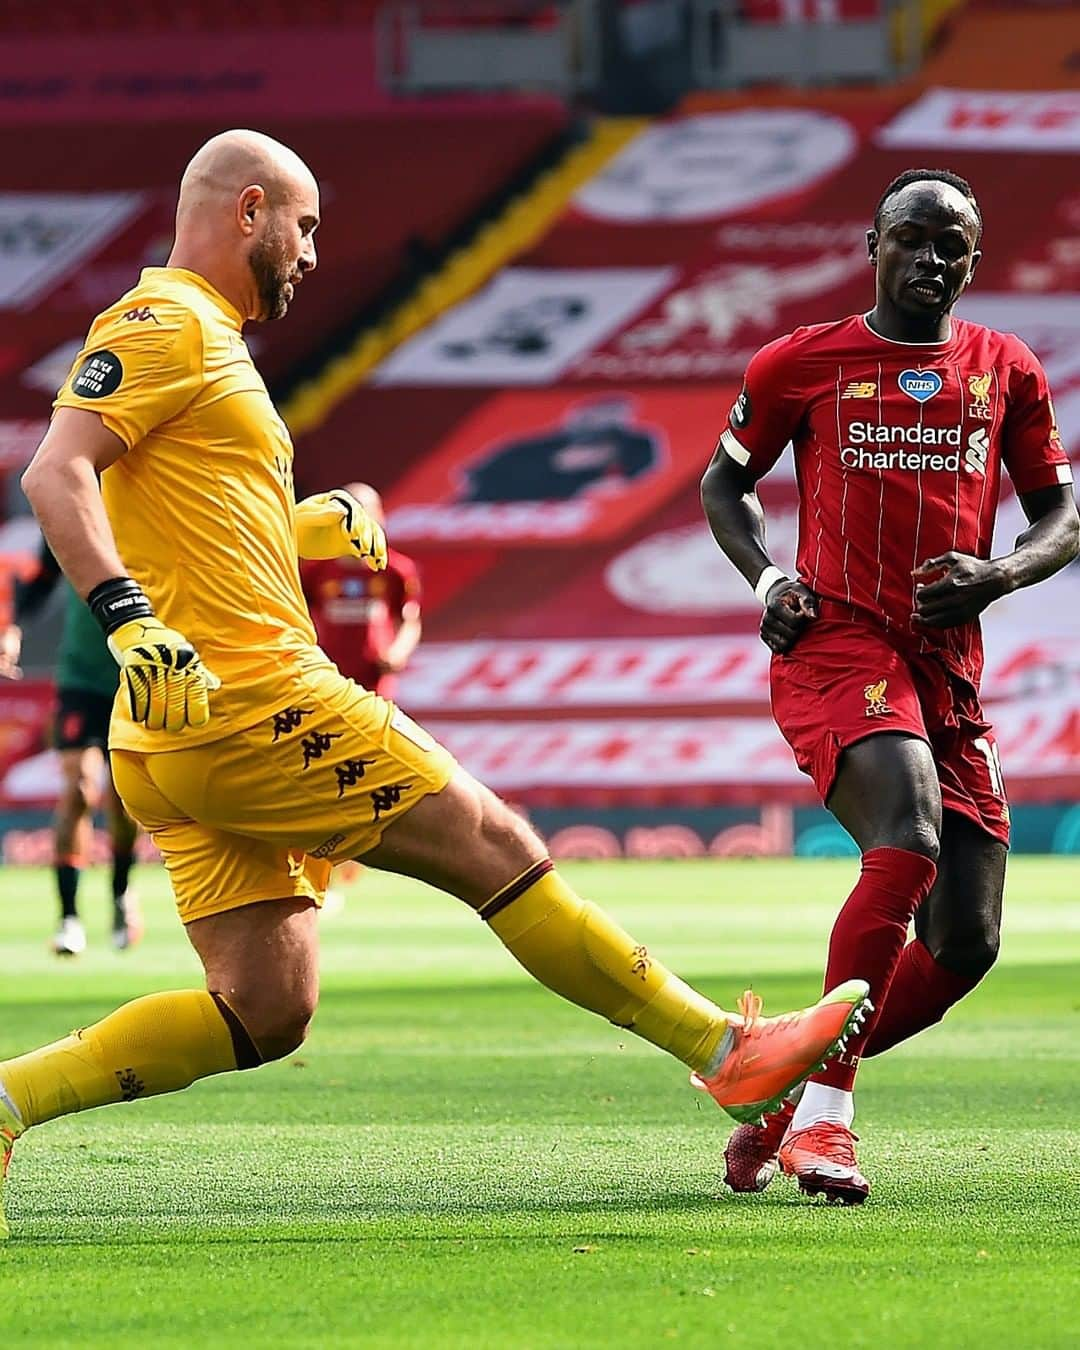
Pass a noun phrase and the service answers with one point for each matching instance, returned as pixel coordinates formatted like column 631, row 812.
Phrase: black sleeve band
column 117, row 601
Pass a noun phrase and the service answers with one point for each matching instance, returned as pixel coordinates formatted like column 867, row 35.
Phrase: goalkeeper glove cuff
column 117, row 601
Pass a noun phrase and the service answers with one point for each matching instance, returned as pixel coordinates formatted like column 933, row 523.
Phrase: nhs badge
column 920, row 384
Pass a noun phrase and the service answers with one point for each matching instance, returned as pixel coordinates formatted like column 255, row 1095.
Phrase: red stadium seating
column 392, row 186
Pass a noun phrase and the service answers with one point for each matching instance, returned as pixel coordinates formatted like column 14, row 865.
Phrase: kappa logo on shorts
column 386, row 798
column 921, row 385
column 327, row 846
column 350, row 773
column 876, row 706
column 289, row 719
column 317, row 744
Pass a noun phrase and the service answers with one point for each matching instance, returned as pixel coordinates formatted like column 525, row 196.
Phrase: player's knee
column 285, row 1034
column 912, row 839
column 970, row 953
column 923, row 836
column 77, row 797
column 283, row 1041
column 915, row 830
column 278, row 1027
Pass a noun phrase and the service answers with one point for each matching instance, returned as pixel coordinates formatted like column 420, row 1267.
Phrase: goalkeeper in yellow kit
column 164, row 487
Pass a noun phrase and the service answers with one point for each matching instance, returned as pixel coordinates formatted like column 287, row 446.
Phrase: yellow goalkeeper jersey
column 202, row 505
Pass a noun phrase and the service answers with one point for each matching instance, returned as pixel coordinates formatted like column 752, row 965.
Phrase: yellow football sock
column 154, row 1044
column 576, row 950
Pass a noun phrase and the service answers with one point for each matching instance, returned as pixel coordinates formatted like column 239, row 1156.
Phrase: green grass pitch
column 458, row 1159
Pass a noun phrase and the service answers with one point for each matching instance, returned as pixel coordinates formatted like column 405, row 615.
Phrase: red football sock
column 869, row 935
column 921, row 993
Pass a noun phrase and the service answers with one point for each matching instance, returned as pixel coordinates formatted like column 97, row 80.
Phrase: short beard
column 265, row 265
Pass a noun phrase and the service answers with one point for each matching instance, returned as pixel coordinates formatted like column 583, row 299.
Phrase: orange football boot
column 769, row 1056
column 822, row 1156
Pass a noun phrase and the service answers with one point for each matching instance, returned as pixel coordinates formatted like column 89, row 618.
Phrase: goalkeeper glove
column 335, row 525
column 167, row 685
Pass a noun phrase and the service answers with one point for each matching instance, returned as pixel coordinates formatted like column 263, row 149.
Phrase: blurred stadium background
column 553, row 234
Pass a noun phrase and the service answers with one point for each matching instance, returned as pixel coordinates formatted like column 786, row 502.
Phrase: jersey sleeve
column 137, row 369
column 1031, row 446
column 768, row 410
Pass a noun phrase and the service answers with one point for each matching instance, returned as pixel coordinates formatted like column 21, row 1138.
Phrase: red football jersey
column 898, row 455
column 356, row 611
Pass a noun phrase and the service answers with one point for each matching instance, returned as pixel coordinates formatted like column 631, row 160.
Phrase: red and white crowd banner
column 643, row 672
column 975, row 119
column 625, row 753
column 608, row 672
column 1038, row 742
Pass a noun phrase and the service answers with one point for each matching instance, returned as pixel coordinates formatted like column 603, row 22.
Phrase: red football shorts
column 843, row 681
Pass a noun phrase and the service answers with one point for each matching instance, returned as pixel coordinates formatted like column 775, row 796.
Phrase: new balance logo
column 317, row 744
column 141, row 315
column 860, row 389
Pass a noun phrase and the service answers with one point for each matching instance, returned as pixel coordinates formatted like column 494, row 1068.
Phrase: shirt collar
column 231, row 313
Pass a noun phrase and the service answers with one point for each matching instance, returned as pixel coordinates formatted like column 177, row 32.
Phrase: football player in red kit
column 901, row 420
column 368, row 623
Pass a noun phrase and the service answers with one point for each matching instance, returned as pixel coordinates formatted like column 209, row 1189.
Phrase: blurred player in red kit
column 901, row 420
column 368, row 623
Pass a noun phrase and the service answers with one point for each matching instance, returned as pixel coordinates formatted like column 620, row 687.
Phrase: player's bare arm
column 61, row 484
column 955, row 587
column 406, row 639
column 166, row 682
column 737, row 520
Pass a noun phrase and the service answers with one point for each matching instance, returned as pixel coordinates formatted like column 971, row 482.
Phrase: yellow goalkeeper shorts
column 264, row 813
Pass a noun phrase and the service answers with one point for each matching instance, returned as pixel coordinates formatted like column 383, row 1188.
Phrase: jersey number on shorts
column 989, row 751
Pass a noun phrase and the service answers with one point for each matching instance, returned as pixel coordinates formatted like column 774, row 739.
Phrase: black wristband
column 117, row 601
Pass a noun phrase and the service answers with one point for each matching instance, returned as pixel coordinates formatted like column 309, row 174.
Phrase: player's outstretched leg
column 264, row 956
column 745, row 1062
column 154, row 1044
